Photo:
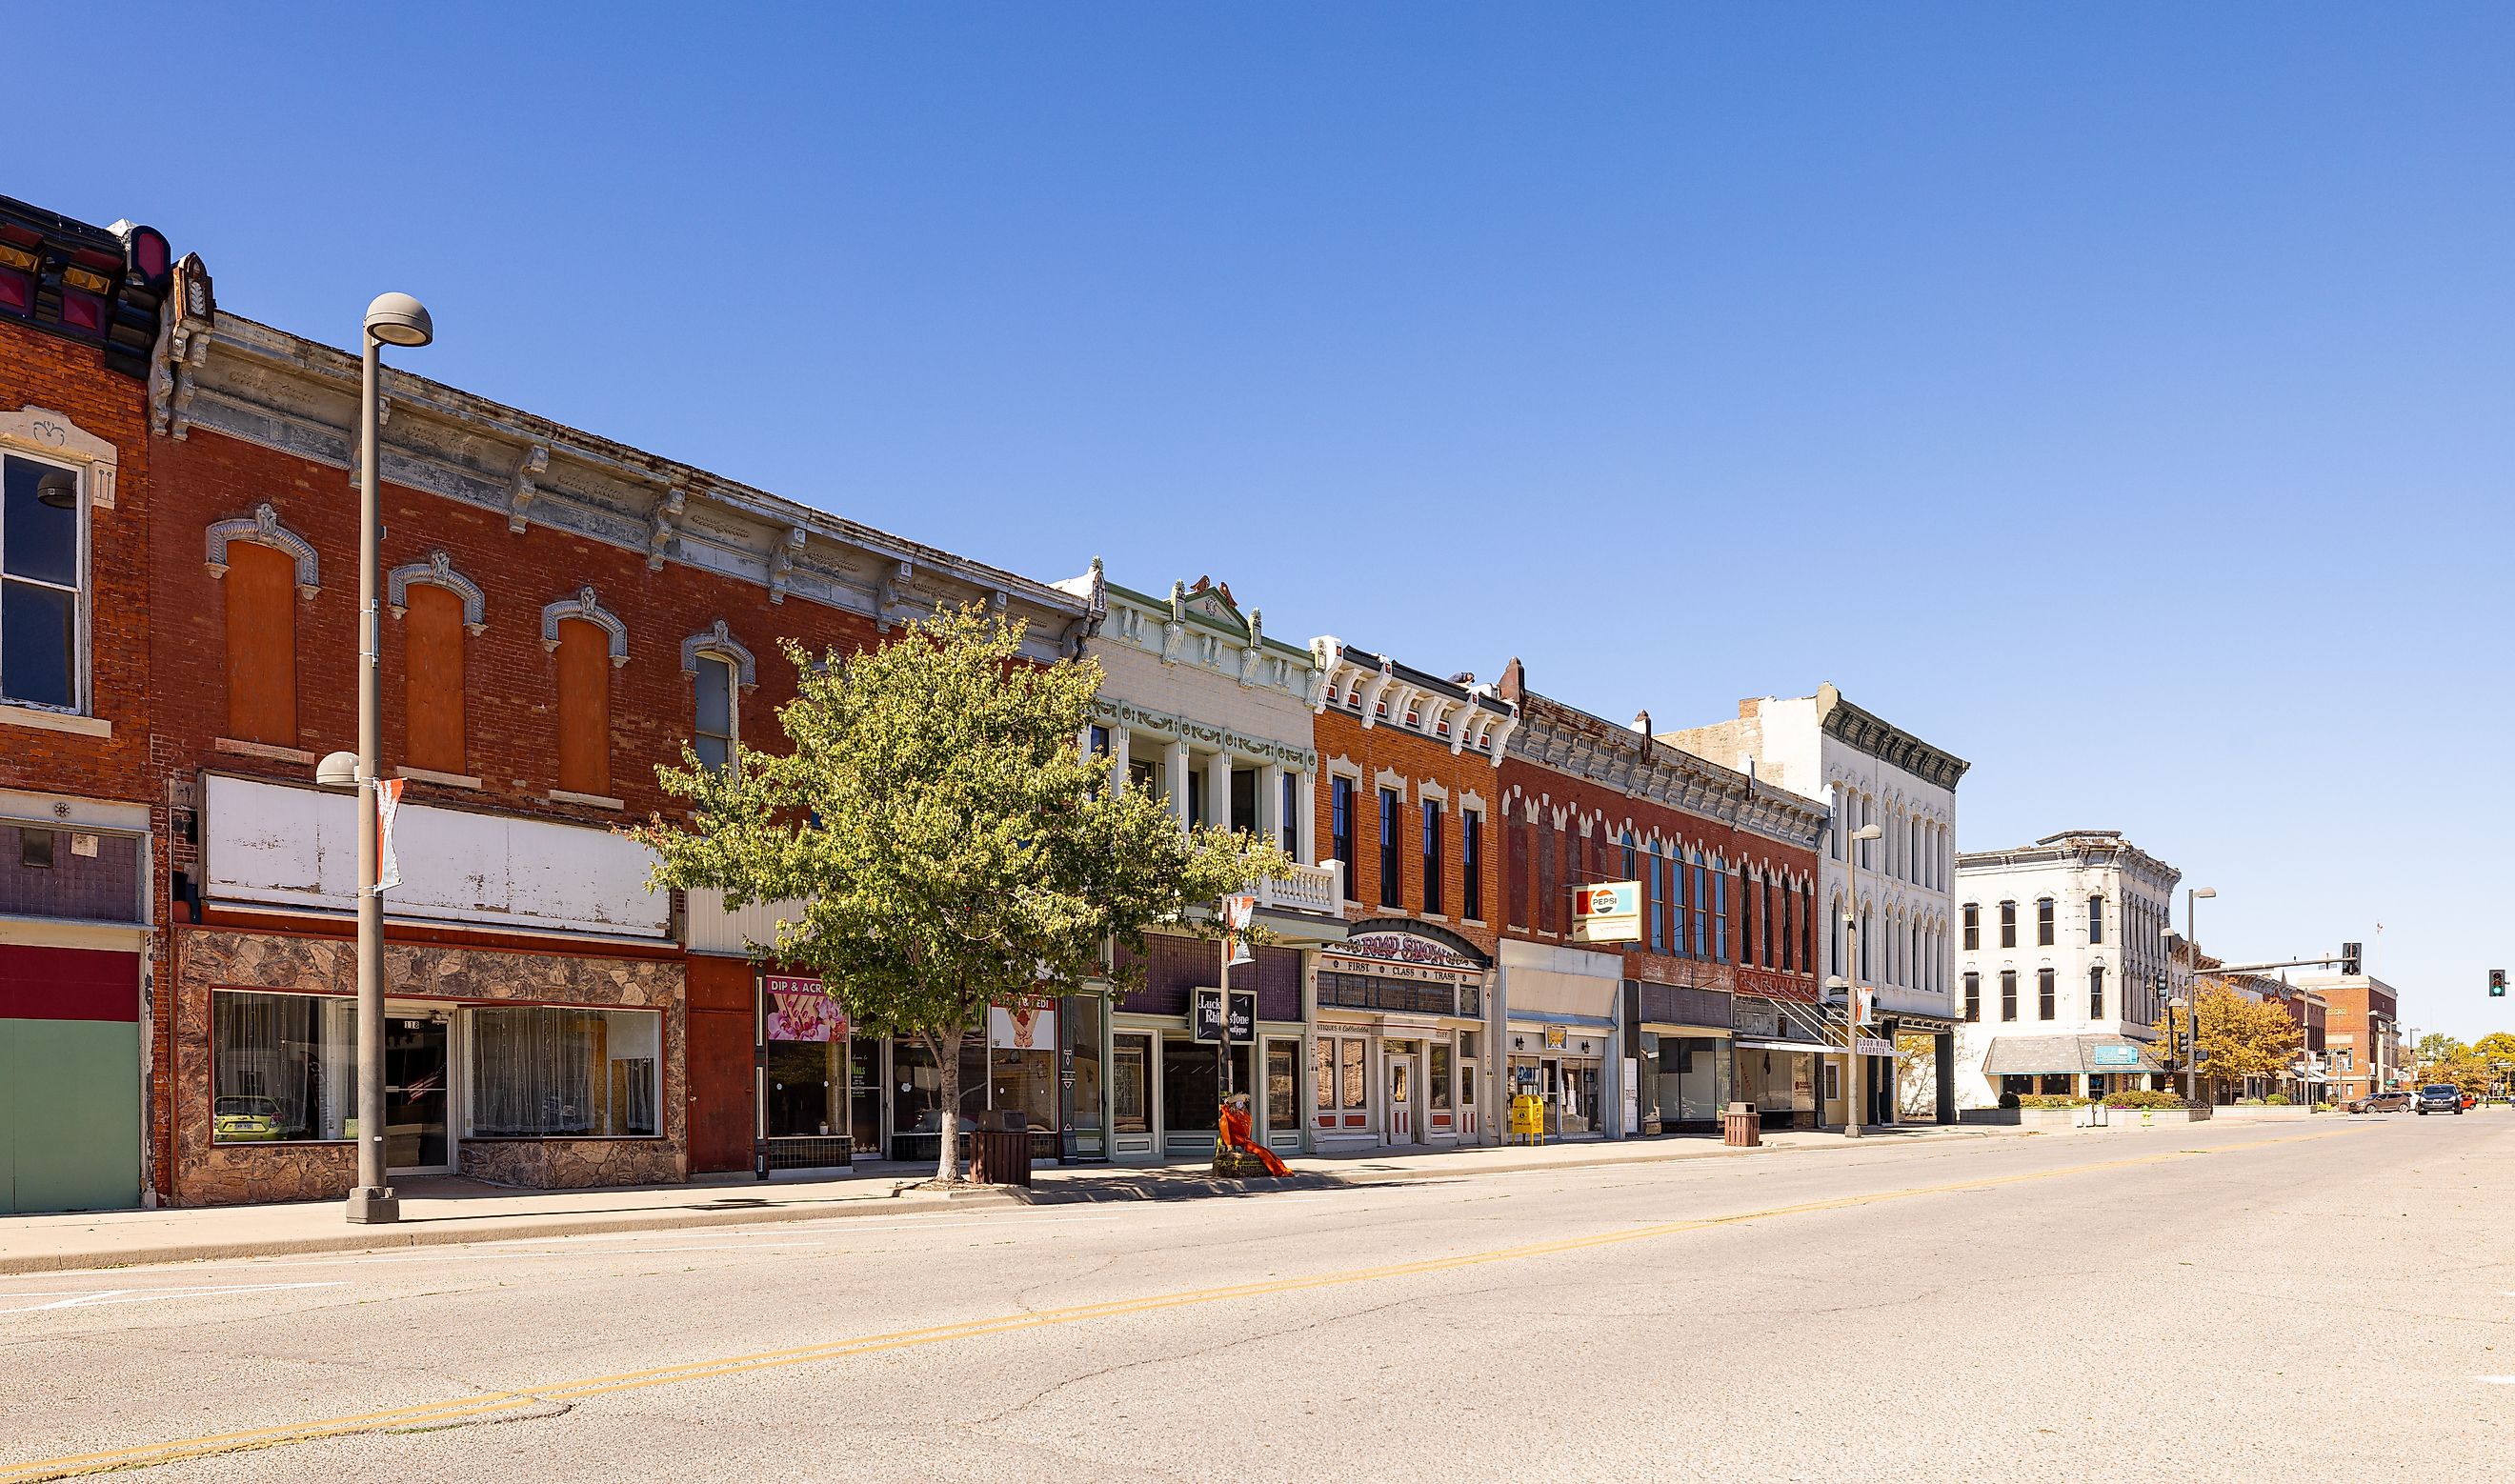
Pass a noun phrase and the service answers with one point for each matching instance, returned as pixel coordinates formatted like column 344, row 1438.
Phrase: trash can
column 1001, row 1155
column 1741, row 1127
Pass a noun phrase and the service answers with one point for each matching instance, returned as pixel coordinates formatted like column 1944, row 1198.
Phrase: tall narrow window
column 1288, row 809
column 1702, row 913
column 1472, row 865
column 1519, row 872
column 2008, row 994
column 1391, row 863
column 1340, row 832
column 1550, row 906
column 1719, row 917
column 262, row 645
column 2043, row 994
column 2007, row 925
column 1764, row 920
column 431, row 680
column 2096, row 920
column 714, row 741
column 1972, row 926
column 584, row 708
column 2043, row 921
column 2097, row 993
column 1657, row 890
column 1973, row 996
column 1432, row 862
column 42, row 528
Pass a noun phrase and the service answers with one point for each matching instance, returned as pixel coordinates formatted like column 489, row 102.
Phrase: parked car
column 244, row 1120
column 2381, row 1102
column 2440, row 1097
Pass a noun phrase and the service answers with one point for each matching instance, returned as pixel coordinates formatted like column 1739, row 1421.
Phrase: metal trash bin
column 1741, row 1127
column 1001, row 1155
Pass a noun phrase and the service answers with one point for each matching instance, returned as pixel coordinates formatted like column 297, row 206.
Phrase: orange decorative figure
column 1235, row 1134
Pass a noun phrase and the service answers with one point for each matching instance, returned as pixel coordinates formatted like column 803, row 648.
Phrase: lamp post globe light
column 392, row 319
column 1852, row 1112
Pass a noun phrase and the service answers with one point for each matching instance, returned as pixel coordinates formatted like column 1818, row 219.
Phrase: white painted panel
column 272, row 844
column 714, row 929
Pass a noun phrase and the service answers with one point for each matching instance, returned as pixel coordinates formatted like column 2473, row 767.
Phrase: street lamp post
column 392, row 319
column 1851, row 1110
column 2192, row 1017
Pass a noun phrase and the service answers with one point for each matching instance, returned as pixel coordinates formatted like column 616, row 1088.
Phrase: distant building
column 2061, row 966
column 2362, row 1033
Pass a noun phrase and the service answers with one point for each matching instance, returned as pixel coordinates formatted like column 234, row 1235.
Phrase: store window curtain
column 549, row 1071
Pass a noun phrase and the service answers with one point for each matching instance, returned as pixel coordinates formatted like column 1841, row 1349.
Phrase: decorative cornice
column 1163, row 724
column 438, row 571
column 587, row 607
column 53, row 435
column 718, row 640
column 263, row 528
column 1889, row 744
column 284, row 393
column 1569, row 740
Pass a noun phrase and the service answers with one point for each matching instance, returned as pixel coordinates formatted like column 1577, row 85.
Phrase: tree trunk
column 946, row 1046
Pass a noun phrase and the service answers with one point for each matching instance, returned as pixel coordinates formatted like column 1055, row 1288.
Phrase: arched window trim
column 263, row 528
column 438, row 571
column 587, row 607
column 718, row 640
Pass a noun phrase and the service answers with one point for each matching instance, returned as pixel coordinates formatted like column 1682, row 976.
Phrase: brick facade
column 1379, row 755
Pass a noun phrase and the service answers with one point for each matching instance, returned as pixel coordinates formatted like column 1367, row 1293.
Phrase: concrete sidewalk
column 436, row 1211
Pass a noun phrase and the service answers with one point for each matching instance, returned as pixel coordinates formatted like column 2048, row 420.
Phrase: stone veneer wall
column 212, row 1174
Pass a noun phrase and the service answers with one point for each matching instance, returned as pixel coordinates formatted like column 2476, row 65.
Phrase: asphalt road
column 2331, row 1300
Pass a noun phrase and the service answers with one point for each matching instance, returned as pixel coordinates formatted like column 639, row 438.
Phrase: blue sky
column 2118, row 396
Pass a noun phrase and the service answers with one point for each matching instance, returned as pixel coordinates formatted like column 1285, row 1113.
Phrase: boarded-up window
column 262, row 645
column 433, row 679
column 584, row 708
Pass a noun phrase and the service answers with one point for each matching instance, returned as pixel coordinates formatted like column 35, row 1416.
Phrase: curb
column 446, row 1232
column 454, row 1232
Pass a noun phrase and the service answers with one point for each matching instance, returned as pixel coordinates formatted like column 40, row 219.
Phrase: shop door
column 864, row 1098
column 1401, row 1100
column 415, row 1100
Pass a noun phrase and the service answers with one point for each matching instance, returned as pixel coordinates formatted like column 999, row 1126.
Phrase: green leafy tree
column 2238, row 1037
column 950, row 843
column 2436, row 1047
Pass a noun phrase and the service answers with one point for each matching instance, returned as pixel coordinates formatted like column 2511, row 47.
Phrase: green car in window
column 245, row 1120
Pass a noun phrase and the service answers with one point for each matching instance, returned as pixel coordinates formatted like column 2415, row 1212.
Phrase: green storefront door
column 69, row 1080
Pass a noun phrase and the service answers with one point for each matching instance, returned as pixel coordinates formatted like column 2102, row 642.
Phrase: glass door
column 416, row 1063
column 1131, row 1093
column 1283, row 1094
column 1401, row 1100
column 864, row 1098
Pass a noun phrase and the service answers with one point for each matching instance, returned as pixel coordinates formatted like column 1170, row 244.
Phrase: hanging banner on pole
column 387, row 802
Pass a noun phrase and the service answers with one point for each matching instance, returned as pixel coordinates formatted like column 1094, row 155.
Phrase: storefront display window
column 1192, row 1086
column 542, row 1071
column 1025, row 1081
column 807, row 1039
column 283, row 1066
column 1131, row 1081
column 1685, row 1078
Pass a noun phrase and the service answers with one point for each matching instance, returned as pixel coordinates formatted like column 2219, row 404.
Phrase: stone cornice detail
column 1163, row 724
column 1889, row 744
column 50, row 434
column 281, row 392
column 718, row 640
column 438, row 571
column 586, row 606
column 1571, row 741
column 263, row 528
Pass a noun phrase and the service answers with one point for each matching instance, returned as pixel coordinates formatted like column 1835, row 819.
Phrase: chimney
column 1513, row 681
column 1641, row 723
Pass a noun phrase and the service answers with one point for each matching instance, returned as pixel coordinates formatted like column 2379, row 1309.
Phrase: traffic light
column 2497, row 984
column 2351, row 957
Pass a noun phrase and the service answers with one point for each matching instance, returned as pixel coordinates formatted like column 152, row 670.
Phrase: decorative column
column 1306, row 803
column 1174, row 765
column 1218, row 790
column 1118, row 757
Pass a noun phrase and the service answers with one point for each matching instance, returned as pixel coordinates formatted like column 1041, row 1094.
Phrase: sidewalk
column 441, row 1210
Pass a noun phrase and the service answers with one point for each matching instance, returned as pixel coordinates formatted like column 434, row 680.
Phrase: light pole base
column 373, row 1206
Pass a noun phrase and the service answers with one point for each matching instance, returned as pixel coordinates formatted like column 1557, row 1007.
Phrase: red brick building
column 78, row 316
column 1718, row 999
column 564, row 613
column 1401, row 1050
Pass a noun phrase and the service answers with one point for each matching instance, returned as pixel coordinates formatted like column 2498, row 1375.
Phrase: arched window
column 264, row 568
column 720, row 671
column 587, row 643
column 437, row 606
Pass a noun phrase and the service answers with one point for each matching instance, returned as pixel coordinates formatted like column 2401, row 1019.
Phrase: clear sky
column 2118, row 396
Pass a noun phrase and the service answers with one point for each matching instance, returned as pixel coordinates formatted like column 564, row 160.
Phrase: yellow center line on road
column 460, row 1409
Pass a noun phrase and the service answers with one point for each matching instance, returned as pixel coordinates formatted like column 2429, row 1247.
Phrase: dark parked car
column 2381, row 1102
column 2440, row 1097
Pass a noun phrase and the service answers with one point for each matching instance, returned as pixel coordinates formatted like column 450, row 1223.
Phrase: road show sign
column 1608, row 912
